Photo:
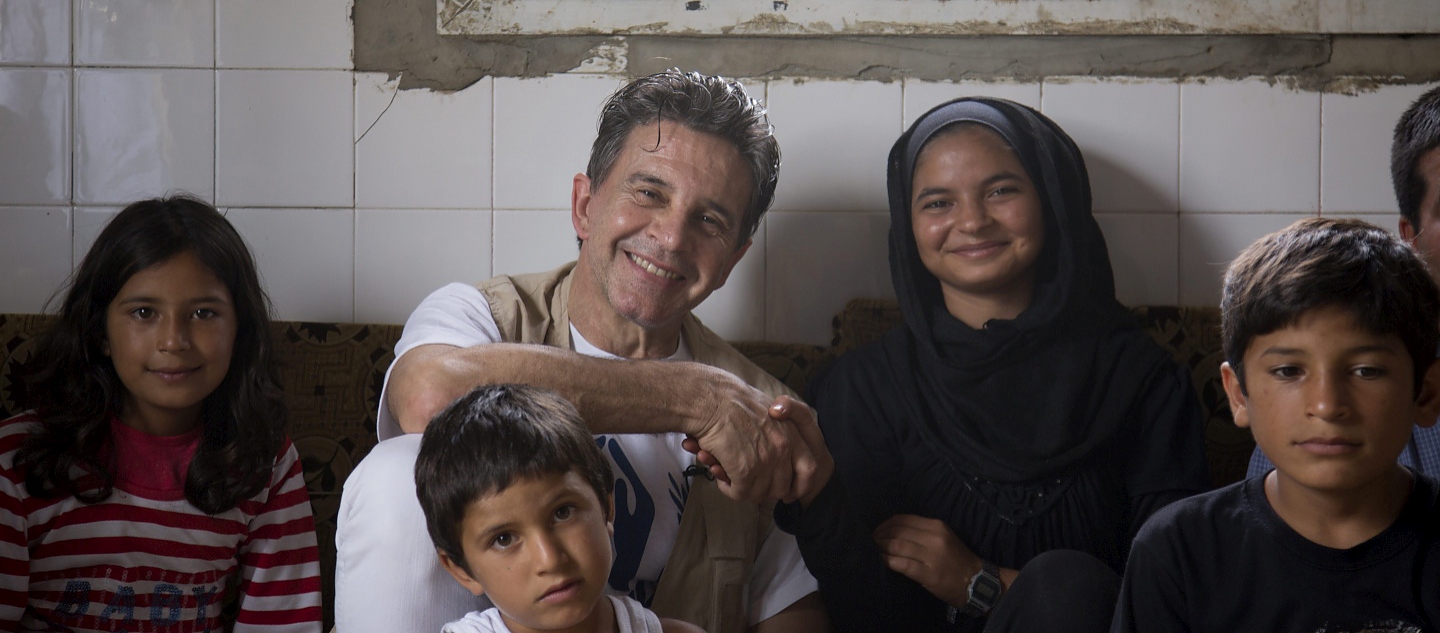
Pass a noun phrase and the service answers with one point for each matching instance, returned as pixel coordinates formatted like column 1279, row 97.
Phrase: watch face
column 984, row 591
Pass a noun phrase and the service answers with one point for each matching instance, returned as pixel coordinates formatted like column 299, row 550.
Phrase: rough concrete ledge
column 399, row 36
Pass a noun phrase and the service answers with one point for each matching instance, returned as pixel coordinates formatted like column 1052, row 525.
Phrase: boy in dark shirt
column 1330, row 330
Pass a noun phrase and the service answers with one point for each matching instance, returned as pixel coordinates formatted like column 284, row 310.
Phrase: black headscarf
column 1031, row 397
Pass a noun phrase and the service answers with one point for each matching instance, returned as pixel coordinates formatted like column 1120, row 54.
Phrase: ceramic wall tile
column 34, row 256
column 920, row 96
column 34, row 32
column 284, row 138
column 422, row 149
column 306, row 259
column 1144, row 255
column 403, row 255
column 1248, row 146
column 1129, row 132
column 834, row 137
column 815, row 263
column 35, row 162
column 736, row 311
column 145, row 33
column 544, row 128
column 1209, row 241
column 1355, row 136
column 283, row 34
column 532, row 240
column 142, row 133
column 89, row 221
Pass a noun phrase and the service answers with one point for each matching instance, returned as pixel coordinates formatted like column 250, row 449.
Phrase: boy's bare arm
column 728, row 418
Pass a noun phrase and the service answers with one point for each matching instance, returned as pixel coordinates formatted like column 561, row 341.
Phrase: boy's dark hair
column 1324, row 262
column 74, row 389
column 480, row 444
column 1417, row 133
column 704, row 103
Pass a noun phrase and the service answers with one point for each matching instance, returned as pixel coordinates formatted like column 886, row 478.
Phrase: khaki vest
column 705, row 578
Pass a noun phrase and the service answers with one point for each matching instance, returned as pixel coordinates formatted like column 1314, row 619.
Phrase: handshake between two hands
column 775, row 455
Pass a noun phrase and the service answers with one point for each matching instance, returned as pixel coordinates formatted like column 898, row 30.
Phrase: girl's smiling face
column 977, row 221
column 170, row 332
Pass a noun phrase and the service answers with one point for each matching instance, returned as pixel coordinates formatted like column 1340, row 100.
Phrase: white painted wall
column 359, row 199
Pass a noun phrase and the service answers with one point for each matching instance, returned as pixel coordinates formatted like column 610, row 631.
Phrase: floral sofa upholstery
column 333, row 373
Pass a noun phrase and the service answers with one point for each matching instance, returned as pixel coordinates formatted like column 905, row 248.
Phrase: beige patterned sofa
column 333, row 373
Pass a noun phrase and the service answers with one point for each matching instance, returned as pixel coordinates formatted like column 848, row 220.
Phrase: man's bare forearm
column 613, row 396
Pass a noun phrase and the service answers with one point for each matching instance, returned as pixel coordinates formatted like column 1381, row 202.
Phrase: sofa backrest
column 333, row 373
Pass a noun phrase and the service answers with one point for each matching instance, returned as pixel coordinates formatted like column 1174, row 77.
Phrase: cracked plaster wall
column 400, row 36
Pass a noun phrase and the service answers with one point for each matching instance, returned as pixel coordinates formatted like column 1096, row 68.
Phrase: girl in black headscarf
column 1019, row 412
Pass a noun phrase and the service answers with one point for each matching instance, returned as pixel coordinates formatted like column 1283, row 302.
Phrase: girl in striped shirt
column 150, row 487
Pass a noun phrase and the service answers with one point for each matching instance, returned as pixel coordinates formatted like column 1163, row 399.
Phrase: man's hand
column 810, row 463
column 747, row 449
column 928, row 552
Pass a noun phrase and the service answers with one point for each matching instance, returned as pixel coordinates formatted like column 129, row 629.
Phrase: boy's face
column 1331, row 403
column 540, row 549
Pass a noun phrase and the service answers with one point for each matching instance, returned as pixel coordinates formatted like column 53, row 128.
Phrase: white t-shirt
column 630, row 617
column 650, row 488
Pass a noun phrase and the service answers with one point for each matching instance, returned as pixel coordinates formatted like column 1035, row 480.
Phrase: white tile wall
column 1208, row 241
column 140, row 133
column 35, row 128
column 1249, row 146
column 1129, row 132
column 1355, row 134
column 422, row 149
column 834, row 138
column 283, row 34
column 1143, row 256
column 543, row 132
column 145, row 32
column 532, row 240
column 34, row 32
column 35, row 255
column 815, row 262
column 306, row 259
column 401, row 255
column 357, row 214
column 284, row 138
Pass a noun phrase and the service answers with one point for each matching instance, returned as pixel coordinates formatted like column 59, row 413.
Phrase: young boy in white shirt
column 519, row 503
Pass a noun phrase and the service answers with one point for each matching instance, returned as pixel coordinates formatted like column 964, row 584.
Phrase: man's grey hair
column 703, row 103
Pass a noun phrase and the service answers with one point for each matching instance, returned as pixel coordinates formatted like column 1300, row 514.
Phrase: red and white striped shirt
column 147, row 560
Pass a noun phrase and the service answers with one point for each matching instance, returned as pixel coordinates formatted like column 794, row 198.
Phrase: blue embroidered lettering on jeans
column 632, row 526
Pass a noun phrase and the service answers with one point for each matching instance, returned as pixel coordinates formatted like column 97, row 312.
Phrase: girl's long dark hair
column 75, row 389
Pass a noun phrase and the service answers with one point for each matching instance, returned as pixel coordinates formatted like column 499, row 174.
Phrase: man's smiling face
column 663, row 230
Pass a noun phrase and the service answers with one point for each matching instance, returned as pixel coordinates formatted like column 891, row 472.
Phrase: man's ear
column 1408, row 231
column 460, row 575
column 1235, row 392
column 610, row 516
column 1427, row 400
column 580, row 197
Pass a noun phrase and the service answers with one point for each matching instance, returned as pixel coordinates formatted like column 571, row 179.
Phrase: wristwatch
column 984, row 592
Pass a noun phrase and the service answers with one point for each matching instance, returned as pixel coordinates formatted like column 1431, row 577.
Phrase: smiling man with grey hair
column 682, row 170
